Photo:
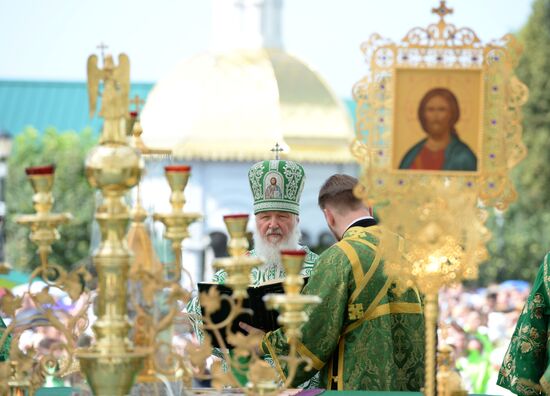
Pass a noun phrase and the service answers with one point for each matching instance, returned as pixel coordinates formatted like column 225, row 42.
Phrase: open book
column 262, row 318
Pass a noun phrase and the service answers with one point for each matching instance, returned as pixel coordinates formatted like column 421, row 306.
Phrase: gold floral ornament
column 28, row 369
column 10, row 303
column 220, row 378
column 441, row 241
column 487, row 112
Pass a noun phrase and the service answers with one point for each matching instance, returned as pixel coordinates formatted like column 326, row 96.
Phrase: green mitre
column 276, row 185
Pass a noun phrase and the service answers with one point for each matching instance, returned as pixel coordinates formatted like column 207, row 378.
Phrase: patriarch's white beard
column 270, row 252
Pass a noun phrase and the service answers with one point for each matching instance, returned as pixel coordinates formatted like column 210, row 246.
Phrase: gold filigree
column 10, row 303
column 440, row 48
column 28, row 369
column 440, row 241
column 210, row 301
column 434, row 233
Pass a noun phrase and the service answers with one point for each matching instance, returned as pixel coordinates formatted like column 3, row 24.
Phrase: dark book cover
column 261, row 317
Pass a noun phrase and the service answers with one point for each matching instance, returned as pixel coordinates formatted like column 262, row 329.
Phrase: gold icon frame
column 440, row 52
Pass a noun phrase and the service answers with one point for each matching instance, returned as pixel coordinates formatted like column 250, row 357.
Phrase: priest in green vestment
column 363, row 336
column 277, row 217
column 5, row 346
column 526, row 367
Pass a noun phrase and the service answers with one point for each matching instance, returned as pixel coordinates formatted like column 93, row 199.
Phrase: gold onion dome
column 234, row 106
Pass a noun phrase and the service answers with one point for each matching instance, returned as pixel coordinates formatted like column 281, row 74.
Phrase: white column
column 272, row 24
column 249, row 24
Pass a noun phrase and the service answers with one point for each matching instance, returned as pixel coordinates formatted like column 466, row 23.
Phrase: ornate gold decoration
column 176, row 225
column 262, row 378
column 449, row 382
column 43, row 224
column 112, row 362
column 146, row 272
column 114, row 98
column 23, row 373
column 437, row 235
column 292, row 303
column 441, row 241
column 239, row 265
column 441, row 49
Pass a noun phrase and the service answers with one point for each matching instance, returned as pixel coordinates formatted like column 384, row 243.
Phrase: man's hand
column 253, row 331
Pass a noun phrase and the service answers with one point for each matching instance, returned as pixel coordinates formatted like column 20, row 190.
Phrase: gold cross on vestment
column 277, row 149
column 137, row 101
column 442, row 10
column 102, row 47
column 355, row 311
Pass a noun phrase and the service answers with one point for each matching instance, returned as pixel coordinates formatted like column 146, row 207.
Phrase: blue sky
column 51, row 39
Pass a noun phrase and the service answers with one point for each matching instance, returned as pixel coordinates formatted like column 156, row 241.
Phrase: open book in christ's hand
column 261, row 317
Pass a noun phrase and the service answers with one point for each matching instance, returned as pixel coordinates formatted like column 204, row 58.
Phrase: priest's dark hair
column 337, row 191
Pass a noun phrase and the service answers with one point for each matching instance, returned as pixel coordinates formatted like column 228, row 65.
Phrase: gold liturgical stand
column 439, row 90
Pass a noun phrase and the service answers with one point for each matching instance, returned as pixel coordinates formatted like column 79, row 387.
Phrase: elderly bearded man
column 276, row 226
column 276, row 219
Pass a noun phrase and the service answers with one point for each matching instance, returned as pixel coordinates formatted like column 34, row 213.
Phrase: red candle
column 177, row 168
column 40, row 170
column 236, row 216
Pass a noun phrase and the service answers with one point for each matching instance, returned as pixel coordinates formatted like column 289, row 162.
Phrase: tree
column 521, row 237
column 71, row 192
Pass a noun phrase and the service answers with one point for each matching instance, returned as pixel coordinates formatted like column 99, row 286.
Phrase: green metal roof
column 42, row 104
column 59, row 104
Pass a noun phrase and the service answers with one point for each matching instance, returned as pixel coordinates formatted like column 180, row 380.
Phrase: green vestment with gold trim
column 5, row 346
column 526, row 369
column 363, row 336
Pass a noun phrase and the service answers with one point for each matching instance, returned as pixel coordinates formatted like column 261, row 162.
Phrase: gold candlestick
column 43, row 223
column 239, row 265
column 26, row 376
column 292, row 303
column 292, row 306
column 112, row 362
column 177, row 221
column 176, row 225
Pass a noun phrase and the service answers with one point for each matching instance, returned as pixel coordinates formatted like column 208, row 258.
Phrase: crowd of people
column 478, row 324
